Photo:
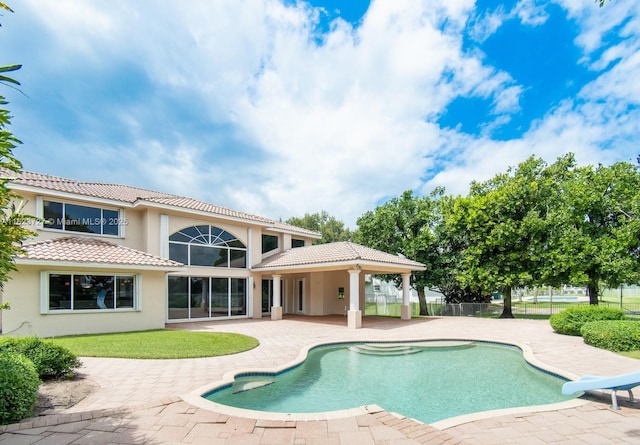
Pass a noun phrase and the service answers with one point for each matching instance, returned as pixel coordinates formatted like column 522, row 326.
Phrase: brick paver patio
column 156, row 401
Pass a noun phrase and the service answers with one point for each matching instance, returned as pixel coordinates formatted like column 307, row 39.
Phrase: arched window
column 207, row 246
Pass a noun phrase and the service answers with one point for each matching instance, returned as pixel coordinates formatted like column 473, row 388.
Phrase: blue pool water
column 429, row 385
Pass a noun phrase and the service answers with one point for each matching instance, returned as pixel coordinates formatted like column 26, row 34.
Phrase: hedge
column 613, row 335
column 50, row 360
column 569, row 321
column 18, row 387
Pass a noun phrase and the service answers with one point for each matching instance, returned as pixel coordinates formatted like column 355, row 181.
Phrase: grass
column 157, row 344
column 632, row 354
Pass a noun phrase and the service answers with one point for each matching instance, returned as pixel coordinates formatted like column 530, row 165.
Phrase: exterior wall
column 24, row 317
column 286, row 241
column 255, row 302
column 142, row 230
column 133, row 230
column 317, row 289
column 323, row 293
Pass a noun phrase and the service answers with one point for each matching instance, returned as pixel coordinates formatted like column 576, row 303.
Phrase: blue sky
column 281, row 107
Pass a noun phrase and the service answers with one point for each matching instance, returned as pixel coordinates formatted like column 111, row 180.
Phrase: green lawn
column 157, row 344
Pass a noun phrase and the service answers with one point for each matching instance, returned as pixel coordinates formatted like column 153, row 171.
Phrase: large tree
column 597, row 235
column 328, row 226
column 451, row 243
column 507, row 227
column 12, row 221
column 406, row 225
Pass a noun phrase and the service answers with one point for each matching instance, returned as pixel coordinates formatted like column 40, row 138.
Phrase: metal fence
column 490, row 309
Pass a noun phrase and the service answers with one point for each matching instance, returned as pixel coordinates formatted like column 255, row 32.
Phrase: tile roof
column 344, row 251
column 134, row 195
column 289, row 228
column 87, row 250
column 201, row 206
column 123, row 193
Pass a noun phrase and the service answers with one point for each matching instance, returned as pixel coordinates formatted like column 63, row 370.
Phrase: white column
column 276, row 309
column 164, row 236
column 405, row 310
column 354, row 316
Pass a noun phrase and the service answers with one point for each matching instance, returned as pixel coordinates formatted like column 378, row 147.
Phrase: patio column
column 405, row 311
column 276, row 309
column 354, row 316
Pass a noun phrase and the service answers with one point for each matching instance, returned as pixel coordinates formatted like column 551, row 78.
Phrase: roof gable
column 333, row 253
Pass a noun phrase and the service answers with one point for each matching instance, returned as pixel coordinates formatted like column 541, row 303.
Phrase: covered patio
column 328, row 279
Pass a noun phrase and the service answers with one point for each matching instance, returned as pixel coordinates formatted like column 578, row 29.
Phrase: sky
column 281, row 107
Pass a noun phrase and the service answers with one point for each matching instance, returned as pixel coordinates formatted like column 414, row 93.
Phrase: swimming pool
column 428, row 381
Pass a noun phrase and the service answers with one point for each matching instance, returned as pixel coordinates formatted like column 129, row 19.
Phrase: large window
column 79, row 218
column 207, row 246
column 74, row 292
column 192, row 298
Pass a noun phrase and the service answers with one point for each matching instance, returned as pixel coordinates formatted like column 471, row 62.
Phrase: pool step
column 409, row 348
column 385, row 349
column 247, row 384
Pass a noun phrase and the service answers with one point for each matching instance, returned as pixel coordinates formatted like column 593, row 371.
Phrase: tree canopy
column 597, row 231
column 537, row 224
column 329, row 227
column 507, row 225
column 405, row 225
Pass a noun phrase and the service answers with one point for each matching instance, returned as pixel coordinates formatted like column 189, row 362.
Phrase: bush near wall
column 50, row 360
column 569, row 321
column 613, row 335
column 18, row 387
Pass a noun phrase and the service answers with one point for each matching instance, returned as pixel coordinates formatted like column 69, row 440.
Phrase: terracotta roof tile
column 333, row 253
column 194, row 204
column 87, row 250
column 289, row 228
column 127, row 194
column 123, row 193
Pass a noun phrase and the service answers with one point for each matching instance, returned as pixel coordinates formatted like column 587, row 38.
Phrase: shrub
column 614, row 335
column 18, row 387
column 49, row 359
column 569, row 321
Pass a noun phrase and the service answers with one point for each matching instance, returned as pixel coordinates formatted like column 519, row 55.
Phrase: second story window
column 207, row 246
column 269, row 243
column 297, row 243
column 79, row 218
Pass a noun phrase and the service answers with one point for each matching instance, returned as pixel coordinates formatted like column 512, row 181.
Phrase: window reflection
column 207, row 246
column 206, row 297
column 89, row 292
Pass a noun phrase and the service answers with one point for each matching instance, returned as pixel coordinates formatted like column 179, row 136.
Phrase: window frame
column 117, row 221
column 209, row 306
column 266, row 238
column 215, row 240
column 296, row 243
column 45, row 295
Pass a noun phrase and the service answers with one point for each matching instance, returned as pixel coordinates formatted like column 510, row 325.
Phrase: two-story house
column 111, row 258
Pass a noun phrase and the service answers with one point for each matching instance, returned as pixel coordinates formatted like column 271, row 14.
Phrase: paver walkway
column 149, row 401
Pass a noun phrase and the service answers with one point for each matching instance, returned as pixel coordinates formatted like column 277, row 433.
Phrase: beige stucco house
column 111, row 258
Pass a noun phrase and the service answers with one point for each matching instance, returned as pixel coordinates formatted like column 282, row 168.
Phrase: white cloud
column 530, row 13
column 334, row 127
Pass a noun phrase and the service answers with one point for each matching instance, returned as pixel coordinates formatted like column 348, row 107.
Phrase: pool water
column 430, row 384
